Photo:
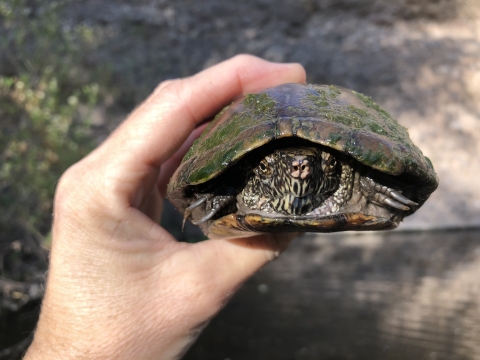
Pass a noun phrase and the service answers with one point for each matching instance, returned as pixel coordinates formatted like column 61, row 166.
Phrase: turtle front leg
column 213, row 205
column 383, row 195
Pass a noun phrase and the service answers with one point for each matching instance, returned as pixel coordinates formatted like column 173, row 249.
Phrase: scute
column 335, row 117
column 236, row 226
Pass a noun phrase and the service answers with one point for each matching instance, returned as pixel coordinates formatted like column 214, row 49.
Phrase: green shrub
column 46, row 96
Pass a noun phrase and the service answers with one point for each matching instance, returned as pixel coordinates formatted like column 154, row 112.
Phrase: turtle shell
column 330, row 116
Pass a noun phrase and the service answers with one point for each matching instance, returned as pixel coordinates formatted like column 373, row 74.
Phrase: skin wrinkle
column 174, row 320
column 137, row 319
column 88, row 189
column 175, row 118
column 184, row 101
column 120, row 298
column 163, row 85
column 133, row 129
column 198, row 293
column 149, row 180
column 152, row 205
column 104, row 248
column 114, row 229
column 187, row 100
column 132, row 209
column 240, row 81
column 116, row 183
column 134, row 219
column 66, row 215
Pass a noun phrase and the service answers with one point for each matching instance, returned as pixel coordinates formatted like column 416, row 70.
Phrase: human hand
column 119, row 285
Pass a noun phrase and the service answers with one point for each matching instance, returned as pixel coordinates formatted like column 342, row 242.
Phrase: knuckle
column 73, row 190
column 166, row 84
column 168, row 92
column 67, row 181
column 246, row 58
column 66, row 189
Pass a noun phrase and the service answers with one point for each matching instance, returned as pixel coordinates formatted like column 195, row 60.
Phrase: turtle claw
column 385, row 195
column 208, row 216
column 216, row 203
column 197, row 203
column 395, row 204
column 400, row 198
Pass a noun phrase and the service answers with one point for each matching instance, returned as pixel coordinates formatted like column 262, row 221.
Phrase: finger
column 234, row 261
column 163, row 122
column 169, row 166
column 168, row 116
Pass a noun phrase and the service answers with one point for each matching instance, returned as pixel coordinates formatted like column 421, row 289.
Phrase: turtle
column 301, row 158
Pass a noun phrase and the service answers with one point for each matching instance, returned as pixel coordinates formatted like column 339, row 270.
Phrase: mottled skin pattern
column 292, row 181
column 313, row 182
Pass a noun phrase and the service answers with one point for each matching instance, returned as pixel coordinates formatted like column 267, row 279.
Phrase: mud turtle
column 301, row 158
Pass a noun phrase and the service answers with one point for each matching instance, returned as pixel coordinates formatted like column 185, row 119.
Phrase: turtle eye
column 329, row 163
column 264, row 168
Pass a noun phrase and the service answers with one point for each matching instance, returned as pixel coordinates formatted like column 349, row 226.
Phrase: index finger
column 164, row 121
column 159, row 126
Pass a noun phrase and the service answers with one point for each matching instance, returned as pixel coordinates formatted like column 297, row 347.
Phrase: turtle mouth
column 294, row 205
column 297, row 207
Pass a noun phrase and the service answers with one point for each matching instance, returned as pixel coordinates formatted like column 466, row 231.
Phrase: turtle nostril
column 295, row 168
column 305, row 172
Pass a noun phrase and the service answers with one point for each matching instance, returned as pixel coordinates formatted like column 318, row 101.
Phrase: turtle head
column 291, row 181
column 289, row 171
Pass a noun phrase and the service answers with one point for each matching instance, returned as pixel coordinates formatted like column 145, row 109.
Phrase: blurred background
column 70, row 71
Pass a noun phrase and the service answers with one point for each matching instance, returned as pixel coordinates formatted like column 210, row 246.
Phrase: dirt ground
column 420, row 59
